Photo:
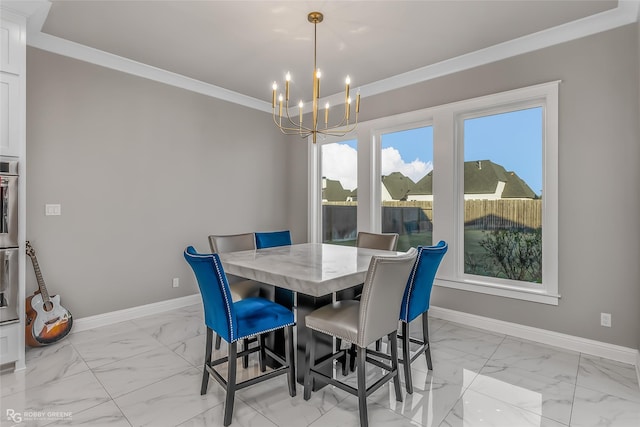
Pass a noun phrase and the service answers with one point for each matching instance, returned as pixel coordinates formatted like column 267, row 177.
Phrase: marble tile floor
column 147, row 372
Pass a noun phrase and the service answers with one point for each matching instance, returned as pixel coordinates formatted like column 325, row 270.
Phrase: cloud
column 391, row 161
column 339, row 162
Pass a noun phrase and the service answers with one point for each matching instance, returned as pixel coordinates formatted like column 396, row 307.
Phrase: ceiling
column 243, row 46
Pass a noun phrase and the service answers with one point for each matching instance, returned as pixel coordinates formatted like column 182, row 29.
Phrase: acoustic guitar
column 47, row 321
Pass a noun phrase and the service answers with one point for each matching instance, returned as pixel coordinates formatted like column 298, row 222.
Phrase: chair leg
column 393, row 340
column 352, row 358
column 362, row 386
column 289, row 357
column 309, row 362
column 245, row 359
column 207, row 361
column 425, row 337
column 218, row 341
column 406, row 357
column 231, row 383
column 344, row 360
column 262, row 355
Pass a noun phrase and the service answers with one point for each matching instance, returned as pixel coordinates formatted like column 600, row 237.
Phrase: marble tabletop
column 314, row 269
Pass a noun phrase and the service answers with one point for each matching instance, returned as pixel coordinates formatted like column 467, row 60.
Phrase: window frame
column 448, row 187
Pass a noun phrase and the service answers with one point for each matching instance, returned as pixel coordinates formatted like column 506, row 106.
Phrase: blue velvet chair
column 415, row 302
column 235, row 321
column 271, row 239
column 240, row 288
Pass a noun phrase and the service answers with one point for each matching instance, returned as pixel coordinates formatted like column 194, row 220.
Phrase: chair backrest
column 271, row 239
column 232, row 242
column 384, row 241
column 382, row 295
column 219, row 313
column 418, row 291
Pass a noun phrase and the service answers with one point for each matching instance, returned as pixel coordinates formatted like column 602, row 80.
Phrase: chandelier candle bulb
column 326, row 114
column 287, row 80
column 275, row 88
column 301, row 105
column 346, row 91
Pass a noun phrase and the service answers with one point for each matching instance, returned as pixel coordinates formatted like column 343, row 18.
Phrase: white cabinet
column 13, row 144
column 11, row 47
column 9, row 114
column 9, row 342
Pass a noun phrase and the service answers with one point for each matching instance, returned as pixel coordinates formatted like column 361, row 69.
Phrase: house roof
column 398, row 185
column 334, row 192
column 482, row 177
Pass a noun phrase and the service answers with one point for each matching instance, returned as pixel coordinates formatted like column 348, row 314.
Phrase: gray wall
column 599, row 154
column 141, row 170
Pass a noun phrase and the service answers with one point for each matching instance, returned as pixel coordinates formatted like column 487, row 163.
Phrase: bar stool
column 234, row 321
column 364, row 239
column 270, row 239
column 415, row 302
column 240, row 288
column 384, row 241
column 362, row 323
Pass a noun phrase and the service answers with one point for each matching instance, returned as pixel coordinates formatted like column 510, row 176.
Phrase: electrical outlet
column 176, row 282
column 605, row 319
column 50, row 209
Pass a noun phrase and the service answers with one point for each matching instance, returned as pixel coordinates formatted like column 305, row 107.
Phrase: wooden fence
column 503, row 214
column 405, row 217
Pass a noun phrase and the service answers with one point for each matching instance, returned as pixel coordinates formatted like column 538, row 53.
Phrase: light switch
column 52, row 210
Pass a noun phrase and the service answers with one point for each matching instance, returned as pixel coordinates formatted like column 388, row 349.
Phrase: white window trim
column 447, row 191
column 545, row 96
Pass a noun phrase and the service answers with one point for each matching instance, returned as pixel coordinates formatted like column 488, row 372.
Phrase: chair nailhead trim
column 220, row 282
column 265, row 331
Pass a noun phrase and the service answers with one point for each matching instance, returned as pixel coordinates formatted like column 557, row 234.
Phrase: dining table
column 305, row 276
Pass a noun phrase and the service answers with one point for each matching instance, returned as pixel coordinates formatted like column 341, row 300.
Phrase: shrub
column 516, row 252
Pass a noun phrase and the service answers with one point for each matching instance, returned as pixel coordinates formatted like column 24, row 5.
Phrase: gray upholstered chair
column 362, row 323
column 384, row 241
column 240, row 288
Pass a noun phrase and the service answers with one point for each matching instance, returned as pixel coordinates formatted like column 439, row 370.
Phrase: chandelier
column 291, row 127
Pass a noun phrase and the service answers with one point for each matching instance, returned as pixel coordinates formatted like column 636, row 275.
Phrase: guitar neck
column 41, row 285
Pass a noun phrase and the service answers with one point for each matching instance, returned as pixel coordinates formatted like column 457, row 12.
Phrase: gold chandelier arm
column 295, row 127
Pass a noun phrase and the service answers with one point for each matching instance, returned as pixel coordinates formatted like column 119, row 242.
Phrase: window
column 496, row 189
column 502, row 195
column 406, row 161
column 339, row 192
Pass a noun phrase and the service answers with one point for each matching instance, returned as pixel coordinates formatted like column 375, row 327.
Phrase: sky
column 513, row 140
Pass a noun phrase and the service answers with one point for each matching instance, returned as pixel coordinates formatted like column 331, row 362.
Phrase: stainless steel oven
column 8, row 240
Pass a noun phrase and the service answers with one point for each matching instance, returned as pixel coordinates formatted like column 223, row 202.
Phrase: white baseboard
column 638, row 366
column 118, row 316
column 568, row 342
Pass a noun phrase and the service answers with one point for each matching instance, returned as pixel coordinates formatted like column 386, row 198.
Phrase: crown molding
column 627, row 12
column 94, row 56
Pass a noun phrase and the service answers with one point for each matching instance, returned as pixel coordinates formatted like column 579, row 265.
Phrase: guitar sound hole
column 48, row 306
